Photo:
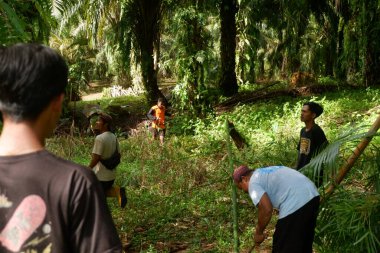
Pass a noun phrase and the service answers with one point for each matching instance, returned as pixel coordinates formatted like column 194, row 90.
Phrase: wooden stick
column 234, row 190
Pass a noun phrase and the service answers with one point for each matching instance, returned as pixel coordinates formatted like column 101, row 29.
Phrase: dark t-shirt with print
column 310, row 143
column 48, row 204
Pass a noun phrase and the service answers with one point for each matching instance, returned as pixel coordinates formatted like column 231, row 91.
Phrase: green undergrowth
column 133, row 104
column 180, row 194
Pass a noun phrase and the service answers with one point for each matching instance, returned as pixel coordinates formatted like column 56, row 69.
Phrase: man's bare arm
column 95, row 158
column 265, row 210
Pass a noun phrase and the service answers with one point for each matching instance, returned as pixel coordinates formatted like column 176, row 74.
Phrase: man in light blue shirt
column 293, row 194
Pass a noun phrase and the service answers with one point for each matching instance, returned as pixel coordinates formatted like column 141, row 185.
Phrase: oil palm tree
column 26, row 21
column 228, row 83
column 144, row 17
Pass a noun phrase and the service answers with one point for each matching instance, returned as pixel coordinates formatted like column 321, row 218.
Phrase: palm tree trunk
column 341, row 70
column 228, row 82
column 146, row 31
column 371, row 23
column 329, row 59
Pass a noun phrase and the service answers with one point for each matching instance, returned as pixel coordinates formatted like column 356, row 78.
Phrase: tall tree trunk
column 331, row 57
column 147, row 32
column 228, row 82
column 126, row 53
column 251, row 75
column 371, row 46
column 295, row 62
column 124, row 37
column 149, row 74
column 241, row 67
column 341, row 69
column 157, row 51
column 261, row 63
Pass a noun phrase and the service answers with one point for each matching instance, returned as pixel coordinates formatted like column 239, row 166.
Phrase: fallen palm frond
column 349, row 219
column 327, row 159
column 349, row 222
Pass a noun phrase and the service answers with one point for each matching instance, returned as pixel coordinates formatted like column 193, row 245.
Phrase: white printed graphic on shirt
column 26, row 219
column 4, row 202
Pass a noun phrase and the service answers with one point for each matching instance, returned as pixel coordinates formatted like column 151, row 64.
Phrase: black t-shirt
column 310, row 143
column 48, row 204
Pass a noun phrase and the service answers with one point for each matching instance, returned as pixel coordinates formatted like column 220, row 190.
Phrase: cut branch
column 236, row 137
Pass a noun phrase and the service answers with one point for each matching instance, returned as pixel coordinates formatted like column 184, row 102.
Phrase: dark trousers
column 295, row 232
column 106, row 185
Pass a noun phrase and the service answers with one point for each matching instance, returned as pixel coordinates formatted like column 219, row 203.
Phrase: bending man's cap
column 239, row 172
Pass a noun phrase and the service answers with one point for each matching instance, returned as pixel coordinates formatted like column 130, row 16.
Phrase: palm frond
column 67, row 11
column 14, row 21
column 45, row 11
column 348, row 223
column 328, row 158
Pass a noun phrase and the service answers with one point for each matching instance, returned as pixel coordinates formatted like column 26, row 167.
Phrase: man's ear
column 244, row 183
column 57, row 102
column 245, row 179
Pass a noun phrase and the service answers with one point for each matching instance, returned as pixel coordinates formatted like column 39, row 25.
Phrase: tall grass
column 179, row 194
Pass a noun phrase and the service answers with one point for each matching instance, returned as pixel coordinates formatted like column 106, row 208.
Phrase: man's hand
column 259, row 237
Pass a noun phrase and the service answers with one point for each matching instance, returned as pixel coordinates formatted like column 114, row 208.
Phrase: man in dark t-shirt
column 312, row 138
column 47, row 204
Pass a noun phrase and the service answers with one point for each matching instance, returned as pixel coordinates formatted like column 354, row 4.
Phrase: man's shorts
column 157, row 131
column 295, row 232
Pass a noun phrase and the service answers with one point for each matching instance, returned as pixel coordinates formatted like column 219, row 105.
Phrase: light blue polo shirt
column 287, row 188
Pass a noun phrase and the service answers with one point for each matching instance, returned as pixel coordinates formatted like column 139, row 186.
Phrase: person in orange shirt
column 157, row 115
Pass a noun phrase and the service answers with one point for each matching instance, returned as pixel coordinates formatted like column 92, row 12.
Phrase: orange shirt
column 159, row 113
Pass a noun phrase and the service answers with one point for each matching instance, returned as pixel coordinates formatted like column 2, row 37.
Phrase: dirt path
column 92, row 96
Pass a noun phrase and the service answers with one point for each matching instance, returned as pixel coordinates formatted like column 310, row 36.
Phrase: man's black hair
column 161, row 99
column 31, row 76
column 315, row 108
column 107, row 119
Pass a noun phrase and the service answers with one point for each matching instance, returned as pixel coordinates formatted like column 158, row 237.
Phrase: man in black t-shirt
column 312, row 138
column 47, row 204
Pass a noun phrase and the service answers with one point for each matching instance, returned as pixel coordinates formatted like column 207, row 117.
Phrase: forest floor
column 264, row 92
column 93, row 96
column 94, row 92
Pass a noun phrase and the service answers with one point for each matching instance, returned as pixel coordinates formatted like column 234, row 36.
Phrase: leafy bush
column 327, row 80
